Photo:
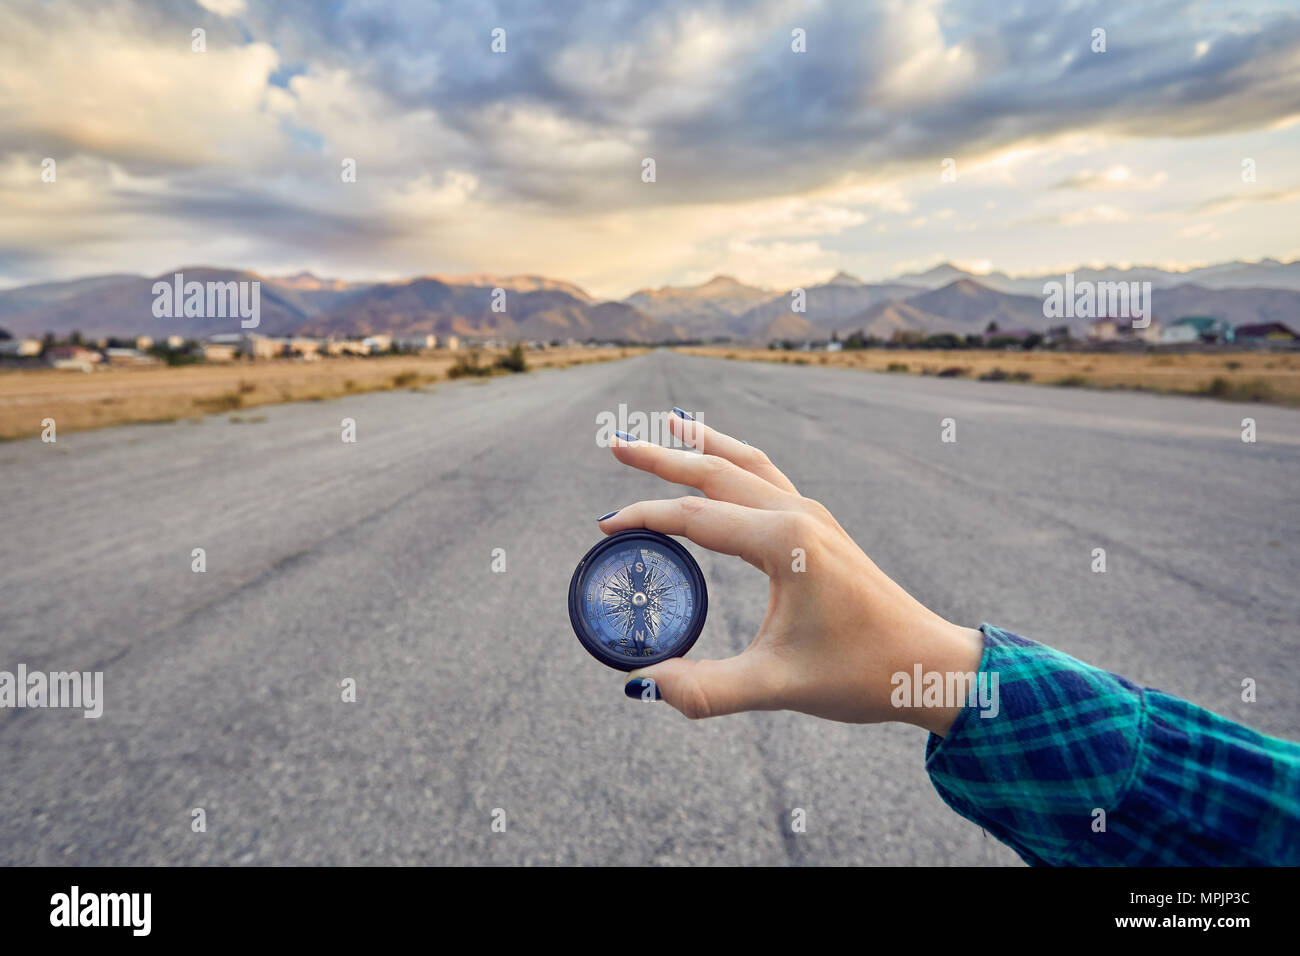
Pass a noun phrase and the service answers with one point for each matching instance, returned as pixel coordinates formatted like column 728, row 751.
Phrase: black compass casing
column 637, row 598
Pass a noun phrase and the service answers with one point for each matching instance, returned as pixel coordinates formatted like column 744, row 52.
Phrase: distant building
column 452, row 342
column 128, row 357
column 378, row 343
column 416, row 343
column 241, row 343
column 20, row 348
column 175, row 342
column 1265, row 332
column 1151, row 333
column 217, row 351
column 144, row 342
column 1123, row 329
column 1103, row 330
column 301, row 347
column 260, row 347
column 72, row 357
column 346, row 347
column 1197, row 328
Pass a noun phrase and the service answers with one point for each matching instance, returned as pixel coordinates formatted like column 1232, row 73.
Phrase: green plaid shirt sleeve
column 1177, row 784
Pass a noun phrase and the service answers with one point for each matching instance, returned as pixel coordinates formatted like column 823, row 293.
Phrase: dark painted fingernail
column 624, row 436
column 610, row 515
column 644, row 688
column 681, row 414
column 743, row 442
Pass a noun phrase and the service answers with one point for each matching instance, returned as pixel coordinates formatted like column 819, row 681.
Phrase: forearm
column 1080, row 766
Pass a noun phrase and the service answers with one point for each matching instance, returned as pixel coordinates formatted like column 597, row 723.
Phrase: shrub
column 896, row 367
column 467, row 366
column 953, row 371
column 1255, row 390
column 1071, row 381
column 175, row 359
column 997, row 375
column 514, row 360
column 225, row 402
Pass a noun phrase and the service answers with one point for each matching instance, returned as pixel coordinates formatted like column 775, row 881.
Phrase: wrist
column 934, row 674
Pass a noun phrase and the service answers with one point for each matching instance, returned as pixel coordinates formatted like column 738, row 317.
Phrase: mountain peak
column 945, row 269
column 843, row 278
column 719, row 282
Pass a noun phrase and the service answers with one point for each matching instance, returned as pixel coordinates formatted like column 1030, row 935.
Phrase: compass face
column 637, row 598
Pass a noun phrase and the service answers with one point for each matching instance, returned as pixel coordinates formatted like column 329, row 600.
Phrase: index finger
column 748, row 533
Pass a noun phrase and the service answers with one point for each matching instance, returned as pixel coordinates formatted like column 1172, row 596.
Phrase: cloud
column 456, row 146
column 1222, row 204
column 224, row 8
column 1095, row 214
column 1115, row 178
column 1201, row 230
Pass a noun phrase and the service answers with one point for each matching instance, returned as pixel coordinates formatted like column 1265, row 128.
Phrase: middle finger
column 716, row 477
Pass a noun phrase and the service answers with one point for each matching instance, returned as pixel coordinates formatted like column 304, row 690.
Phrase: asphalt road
column 373, row 561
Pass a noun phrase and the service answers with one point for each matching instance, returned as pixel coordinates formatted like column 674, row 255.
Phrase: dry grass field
column 1272, row 377
column 80, row 400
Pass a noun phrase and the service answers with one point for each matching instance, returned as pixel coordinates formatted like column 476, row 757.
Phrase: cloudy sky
column 776, row 166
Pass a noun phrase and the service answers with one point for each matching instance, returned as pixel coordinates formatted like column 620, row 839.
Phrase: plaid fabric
column 1178, row 784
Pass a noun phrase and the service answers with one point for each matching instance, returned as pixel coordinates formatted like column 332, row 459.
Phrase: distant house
column 127, row 357
column 240, row 343
column 1265, row 332
column 1109, row 330
column 20, row 348
column 452, row 343
column 301, row 347
column 378, row 343
column 1196, row 328
column 416, row 343
column 346, row 347
column 1103, row 330
column 217, row 351
column 72, row 357
column 260, row 347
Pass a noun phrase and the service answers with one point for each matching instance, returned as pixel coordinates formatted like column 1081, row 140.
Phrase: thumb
column 701, row 688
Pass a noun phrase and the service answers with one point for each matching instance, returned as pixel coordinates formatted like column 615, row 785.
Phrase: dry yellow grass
column 1247, row 376
column 78, row 401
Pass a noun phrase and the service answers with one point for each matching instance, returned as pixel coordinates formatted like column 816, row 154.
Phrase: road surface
column 372, row 561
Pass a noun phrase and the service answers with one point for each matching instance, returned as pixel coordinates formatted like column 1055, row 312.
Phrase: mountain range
column 942, row 299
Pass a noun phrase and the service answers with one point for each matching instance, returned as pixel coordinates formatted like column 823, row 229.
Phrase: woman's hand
column 835, row 632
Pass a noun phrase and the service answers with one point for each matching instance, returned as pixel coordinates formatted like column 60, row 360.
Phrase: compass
column 637, row 598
